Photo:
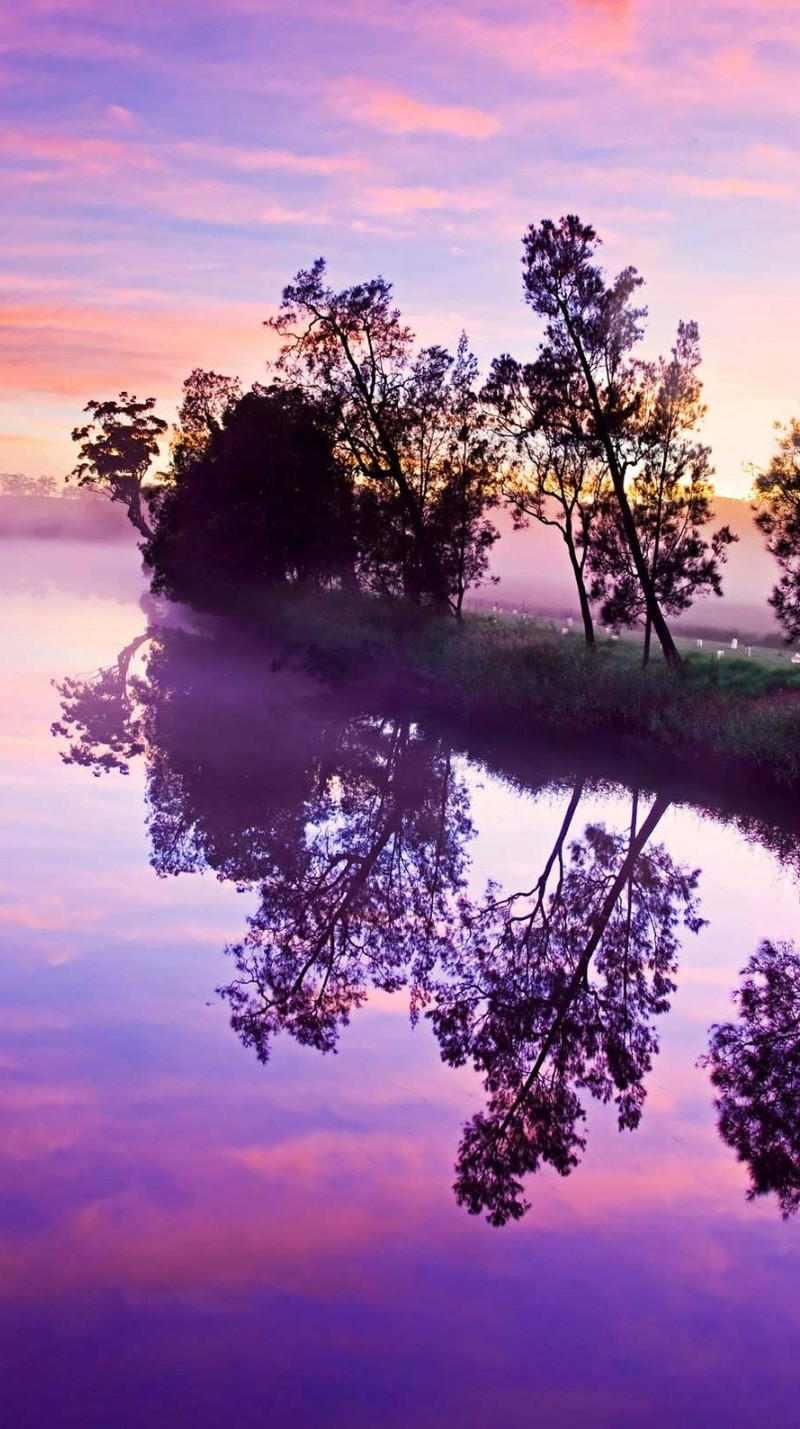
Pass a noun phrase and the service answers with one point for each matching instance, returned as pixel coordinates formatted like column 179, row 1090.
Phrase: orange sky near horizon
column 165, row 173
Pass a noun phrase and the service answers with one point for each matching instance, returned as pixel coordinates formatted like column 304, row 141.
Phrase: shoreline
column 731, row 726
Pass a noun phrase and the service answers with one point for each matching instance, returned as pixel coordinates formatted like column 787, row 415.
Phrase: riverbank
column 515, row 677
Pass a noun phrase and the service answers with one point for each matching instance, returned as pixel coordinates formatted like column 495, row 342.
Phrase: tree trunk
column 654, row 612
column 583, row 599
column 648, row 632
column 136, row 517
column 671, row 652
column 349, row 578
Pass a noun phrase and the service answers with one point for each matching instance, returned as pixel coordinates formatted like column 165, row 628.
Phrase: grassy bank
column 514, row 676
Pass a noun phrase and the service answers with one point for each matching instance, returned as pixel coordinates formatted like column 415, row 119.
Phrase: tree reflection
column 369, row 899
column 755, row 1068
column 554, row 992
column 100, row 721
column 354, row 832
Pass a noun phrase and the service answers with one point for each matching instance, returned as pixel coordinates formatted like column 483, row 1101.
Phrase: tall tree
column 553, row 477
column 117, row 448
column 462, row 467
column 588, row 383
column 671, row 499
column 394, row 412
column 776, row 497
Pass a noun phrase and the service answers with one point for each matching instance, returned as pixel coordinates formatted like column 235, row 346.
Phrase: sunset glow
column 167, row 168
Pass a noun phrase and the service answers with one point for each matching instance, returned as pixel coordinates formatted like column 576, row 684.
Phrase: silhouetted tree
column 755, row 1070
column 465, row 473
column 402, row 423
column 116, row 452
column 556, row 478
column 586, row 381
column 263, row 501
column 776, row 497
column 670, row 497
column 208, row 398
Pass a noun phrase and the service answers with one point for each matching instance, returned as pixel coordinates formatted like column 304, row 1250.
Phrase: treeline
column 371, row 464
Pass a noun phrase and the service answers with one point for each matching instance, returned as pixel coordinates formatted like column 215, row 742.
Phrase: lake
column 350, row 1078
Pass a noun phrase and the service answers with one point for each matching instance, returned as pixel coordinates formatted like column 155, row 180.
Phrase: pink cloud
column 69, row 349
column 734, row 186
column 399, row 113
column 91, row 156
column 272, row 160
column 394, row 200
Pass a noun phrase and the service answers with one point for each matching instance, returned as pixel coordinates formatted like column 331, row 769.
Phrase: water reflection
column 355, row 832
column 555, row 991
column 755, row 1069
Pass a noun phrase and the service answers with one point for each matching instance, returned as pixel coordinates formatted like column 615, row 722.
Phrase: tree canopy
column 587, row 381
column 408, row 426
column 117, row 449
column 262, row 499
column 776, row 495
column 670, row 497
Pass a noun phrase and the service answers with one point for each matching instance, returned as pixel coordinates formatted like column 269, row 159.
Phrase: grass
column 513, row 675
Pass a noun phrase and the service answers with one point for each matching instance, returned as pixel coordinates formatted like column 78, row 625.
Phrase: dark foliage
column 117, row 449
column 408, row 426
column 755, row 1069
column 262, row 501
column 586, row 381
column 670, row 497
column 777, row 504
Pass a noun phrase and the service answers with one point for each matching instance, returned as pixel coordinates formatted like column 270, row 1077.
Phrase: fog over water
column 530, row 565
column 236, row 1176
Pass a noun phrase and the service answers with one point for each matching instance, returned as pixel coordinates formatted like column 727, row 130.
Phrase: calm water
column 237, row 1176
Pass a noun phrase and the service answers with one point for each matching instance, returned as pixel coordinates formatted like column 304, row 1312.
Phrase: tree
column 117, row 449
column 755, row 1070
column 263, row 501
column 519, row 1001
column 587, row 383
column 670, row 497
column 776, row 498
column 464, row 474
column 398, row 420
column 558, row 480
column 208, row 397
column 101, row 716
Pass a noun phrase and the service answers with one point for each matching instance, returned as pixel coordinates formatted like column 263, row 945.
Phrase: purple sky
column 168, row 166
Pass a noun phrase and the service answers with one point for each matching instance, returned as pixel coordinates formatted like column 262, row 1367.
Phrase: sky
column 166, row 167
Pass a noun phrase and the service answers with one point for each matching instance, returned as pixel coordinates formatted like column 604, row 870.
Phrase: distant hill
column 535, row 574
